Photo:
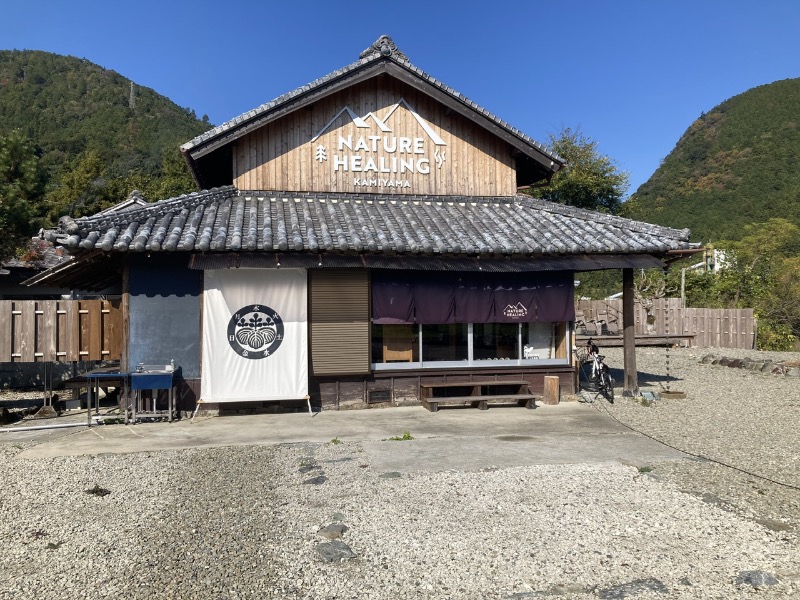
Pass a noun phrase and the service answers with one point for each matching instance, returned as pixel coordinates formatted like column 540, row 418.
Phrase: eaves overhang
column 321, row 261
column 92, row 271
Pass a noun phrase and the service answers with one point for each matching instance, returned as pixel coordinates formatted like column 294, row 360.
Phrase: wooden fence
column 711, row 327
column 60, row 330
column 76, row 330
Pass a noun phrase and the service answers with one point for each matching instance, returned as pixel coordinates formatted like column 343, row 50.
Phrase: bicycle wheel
column 580, row 355
column 609, row 389
column 585, row 381
column 605, row 385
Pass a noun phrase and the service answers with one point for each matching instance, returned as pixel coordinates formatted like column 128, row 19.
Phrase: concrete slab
column 451, row 438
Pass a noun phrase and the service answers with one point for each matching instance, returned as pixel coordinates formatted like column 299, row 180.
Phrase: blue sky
column 630, row 74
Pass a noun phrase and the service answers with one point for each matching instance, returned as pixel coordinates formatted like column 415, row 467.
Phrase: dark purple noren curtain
column 432, row 298
column 395, row 299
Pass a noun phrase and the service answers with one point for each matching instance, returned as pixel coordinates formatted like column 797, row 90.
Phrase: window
column 537, row 339
column 451, row 319
column 495, row 341
column 395, row 344
column 467, row 344
column 445, row 343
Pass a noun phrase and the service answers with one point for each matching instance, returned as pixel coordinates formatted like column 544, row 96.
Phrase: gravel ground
column 731, row 417
column 248, row 522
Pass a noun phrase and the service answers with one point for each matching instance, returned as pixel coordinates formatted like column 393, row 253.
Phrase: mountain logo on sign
column 361, row 122
column 516, row 311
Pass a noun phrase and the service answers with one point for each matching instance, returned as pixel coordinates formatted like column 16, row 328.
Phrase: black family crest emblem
column 255, row 331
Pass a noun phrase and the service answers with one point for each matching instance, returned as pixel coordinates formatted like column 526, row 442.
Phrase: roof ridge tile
column 396, row 57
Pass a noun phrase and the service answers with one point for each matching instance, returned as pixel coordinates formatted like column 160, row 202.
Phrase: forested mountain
column 734, row 179
column 69, row 105
column 76, row 138
column 735, row 165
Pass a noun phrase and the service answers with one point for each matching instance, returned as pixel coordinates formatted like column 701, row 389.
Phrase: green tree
column 81, row 187
column 760, row 271
column 591, row 179
column 765, row 274
column 21, row 185
column 598, row 284
column 175, row 176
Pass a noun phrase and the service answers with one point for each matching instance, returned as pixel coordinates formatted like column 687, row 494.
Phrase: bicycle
column 604, row 383
column 598, row 379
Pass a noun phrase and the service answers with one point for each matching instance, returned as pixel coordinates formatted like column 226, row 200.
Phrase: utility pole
column 132, row 99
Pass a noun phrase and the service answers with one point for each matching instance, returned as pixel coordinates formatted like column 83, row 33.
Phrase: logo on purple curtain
column 255, row 331
column 516, row 311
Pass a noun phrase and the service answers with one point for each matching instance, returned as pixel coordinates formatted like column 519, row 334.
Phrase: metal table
column 93, row 379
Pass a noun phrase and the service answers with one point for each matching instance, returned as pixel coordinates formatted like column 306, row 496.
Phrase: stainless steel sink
column 152, row 377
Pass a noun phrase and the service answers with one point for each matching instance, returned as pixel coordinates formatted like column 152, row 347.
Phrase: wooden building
column 357, row 239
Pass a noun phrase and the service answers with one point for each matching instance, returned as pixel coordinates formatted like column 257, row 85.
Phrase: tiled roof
column 134, row 200
column 45, row 256
column 383, row 50
column 229, row 220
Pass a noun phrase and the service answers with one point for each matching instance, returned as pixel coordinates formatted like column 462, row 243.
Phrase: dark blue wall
column 164, row 312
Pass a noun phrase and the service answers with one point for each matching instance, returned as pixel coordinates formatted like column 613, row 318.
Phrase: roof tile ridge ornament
column 383, row 46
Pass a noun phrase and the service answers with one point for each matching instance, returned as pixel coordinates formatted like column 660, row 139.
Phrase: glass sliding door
column 445, row 343
column 495, row 341
column 537, row 340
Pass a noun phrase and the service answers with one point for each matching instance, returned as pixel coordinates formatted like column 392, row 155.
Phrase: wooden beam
column 94, row 329
column 631, row 387
column 125, row 333
column 27, row 319
column 6, row 339
column 617, row 341
column 48, row 330
column 72, row 331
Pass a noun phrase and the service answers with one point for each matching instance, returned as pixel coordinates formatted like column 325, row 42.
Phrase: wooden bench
column 476, row 393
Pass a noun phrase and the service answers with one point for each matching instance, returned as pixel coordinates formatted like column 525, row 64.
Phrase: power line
column 695, row 455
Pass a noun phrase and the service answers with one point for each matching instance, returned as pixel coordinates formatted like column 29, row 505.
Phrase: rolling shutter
column 339, row 321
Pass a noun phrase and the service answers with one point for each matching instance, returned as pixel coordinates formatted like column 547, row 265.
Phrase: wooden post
column 125, row 399
column 125, row 332
column 552, row 389
column 631, row 387
column 6, row 340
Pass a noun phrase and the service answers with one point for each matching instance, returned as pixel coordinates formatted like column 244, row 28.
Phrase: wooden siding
column 60, row 330
column 281, row 155
column 711, row 327
column 339, row 320
column 402, row 389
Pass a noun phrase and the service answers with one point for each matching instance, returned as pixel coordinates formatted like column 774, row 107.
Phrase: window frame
column 471, row 362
